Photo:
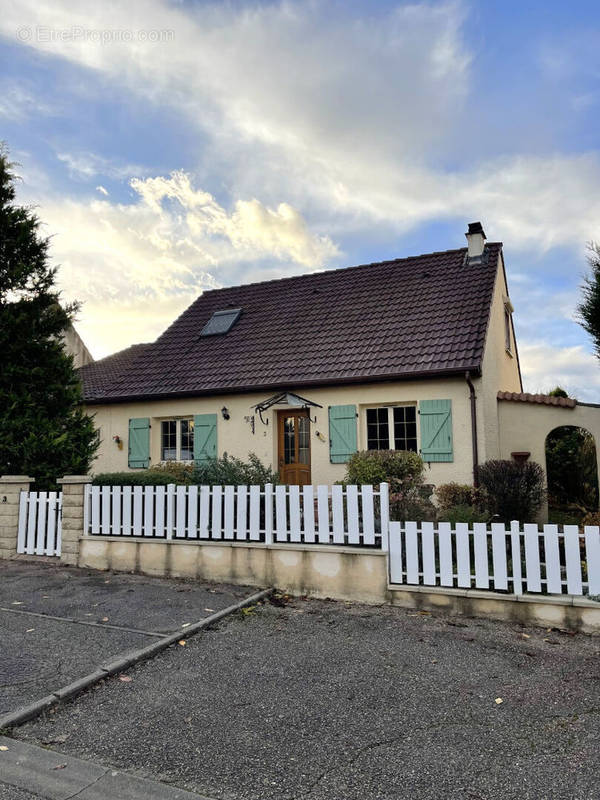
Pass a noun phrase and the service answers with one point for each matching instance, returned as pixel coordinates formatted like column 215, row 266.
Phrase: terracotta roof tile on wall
column 411, row 317
column 541, row 399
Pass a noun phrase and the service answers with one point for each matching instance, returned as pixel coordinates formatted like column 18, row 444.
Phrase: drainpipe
column 473, row 398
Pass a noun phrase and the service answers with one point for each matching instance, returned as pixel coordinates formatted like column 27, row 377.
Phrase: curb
column 50, row 774
column 121, row 663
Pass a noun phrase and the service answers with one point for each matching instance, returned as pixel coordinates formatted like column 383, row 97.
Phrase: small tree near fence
column 514, row 491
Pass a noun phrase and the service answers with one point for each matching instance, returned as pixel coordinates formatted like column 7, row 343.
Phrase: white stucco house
column 415, row 353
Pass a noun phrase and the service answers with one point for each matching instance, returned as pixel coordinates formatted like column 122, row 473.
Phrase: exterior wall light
column 225, row 413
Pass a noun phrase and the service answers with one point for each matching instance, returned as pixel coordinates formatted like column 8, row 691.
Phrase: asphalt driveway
column 333, row 701
column 59, row 623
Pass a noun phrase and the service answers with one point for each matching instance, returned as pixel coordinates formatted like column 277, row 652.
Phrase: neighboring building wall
column 500, row 371
column 234, row 436
column 525, row 426
column 75, row 347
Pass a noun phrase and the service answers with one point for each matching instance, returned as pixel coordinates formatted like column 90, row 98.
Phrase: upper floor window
column 392, row 428
column 507, row 342
column 177, row 439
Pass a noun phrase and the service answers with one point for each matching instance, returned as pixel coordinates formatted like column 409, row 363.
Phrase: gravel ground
column 11, row 793
column 333, row 701
column 134, row 601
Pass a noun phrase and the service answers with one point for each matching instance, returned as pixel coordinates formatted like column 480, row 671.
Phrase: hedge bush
column 449, row 495
column 463, row 512
column 513, row 490
column 224, row 471
column 378, row 466
column 142, row 477
column 403, row 470
column 231, row 471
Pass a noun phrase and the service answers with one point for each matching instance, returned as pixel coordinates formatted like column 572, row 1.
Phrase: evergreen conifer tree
column 44, row 430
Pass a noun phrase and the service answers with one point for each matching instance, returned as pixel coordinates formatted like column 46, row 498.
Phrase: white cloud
column 544, row 367
column 349, row 116
column 88, row 165
column 139, row 265
column 348, row 119
column 17, row 103
column 102, row 190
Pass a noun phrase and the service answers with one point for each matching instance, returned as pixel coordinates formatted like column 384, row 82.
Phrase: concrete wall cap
column 75, row 479
column 16, row 479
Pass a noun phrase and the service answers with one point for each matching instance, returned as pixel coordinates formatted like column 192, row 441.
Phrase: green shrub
column 514, row 491
column 403, row 470
column 176, row 471
column 142, row 477
column 463, row 513
column 225, row 471
column 231, row 471
column 378, row 466
column 449, row 495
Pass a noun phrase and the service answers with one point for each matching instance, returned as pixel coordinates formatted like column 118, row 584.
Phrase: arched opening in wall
column 572, row 474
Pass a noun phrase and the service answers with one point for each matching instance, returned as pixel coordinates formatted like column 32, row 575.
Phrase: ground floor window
column 177, row 439
column 392, row 428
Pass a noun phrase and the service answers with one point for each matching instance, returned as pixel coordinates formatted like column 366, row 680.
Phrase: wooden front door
column 294, row 447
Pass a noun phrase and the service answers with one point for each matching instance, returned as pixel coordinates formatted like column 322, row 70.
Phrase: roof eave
column 453, row 372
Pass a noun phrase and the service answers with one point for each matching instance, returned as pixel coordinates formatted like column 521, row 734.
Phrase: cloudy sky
column 175, row 146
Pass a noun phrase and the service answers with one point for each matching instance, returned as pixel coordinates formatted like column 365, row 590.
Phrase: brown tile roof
column 401, row 319
column 98, row 375
column 541, row 399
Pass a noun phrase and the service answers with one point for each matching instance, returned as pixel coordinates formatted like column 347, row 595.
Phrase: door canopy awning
column 283, row 399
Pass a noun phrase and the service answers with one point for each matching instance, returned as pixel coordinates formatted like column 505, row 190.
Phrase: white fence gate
column 340, row 515
column 514, row 559
column 40, row 515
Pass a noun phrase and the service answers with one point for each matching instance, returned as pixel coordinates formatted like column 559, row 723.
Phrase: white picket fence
column 340, row 515
column 516, row 559
column 39, row 530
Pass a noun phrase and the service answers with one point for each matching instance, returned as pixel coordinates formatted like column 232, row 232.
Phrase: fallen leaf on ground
column 526, row 636
column 182, row 642
column 60, row 739
column 3, row 747
column 125, row 678
column 186, row 624
column 434, row 660
column 59, row 766
column 498, row 700
column 29, row 630
column 17, row 603
column 209, row 609
column 104, row 619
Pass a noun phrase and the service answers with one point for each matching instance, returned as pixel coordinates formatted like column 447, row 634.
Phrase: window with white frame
column 392, row 428
column 177, row 439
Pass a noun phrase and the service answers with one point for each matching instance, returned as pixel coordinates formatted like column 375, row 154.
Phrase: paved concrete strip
column 122, row 663
column 83, row 622
column 55, row 776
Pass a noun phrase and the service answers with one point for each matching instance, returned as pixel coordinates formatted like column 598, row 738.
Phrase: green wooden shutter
column 342, row 433
column 139, row 443
column 205, row 437
column 436, row 430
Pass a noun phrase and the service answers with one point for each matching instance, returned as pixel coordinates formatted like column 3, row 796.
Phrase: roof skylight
column 221, row 322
